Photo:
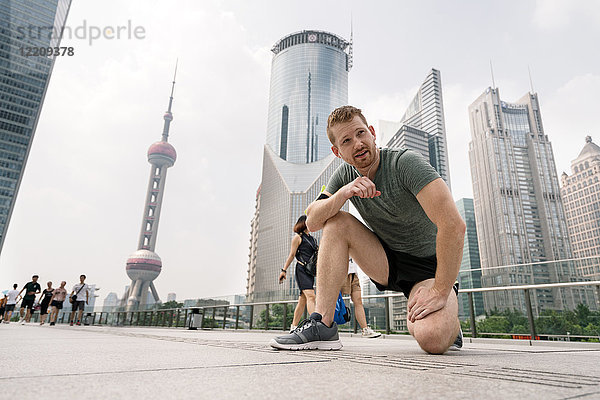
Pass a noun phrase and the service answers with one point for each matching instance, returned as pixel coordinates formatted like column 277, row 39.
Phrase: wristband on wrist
column 283, row 270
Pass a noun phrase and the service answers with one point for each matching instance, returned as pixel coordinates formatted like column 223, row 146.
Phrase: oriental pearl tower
column 144, row 265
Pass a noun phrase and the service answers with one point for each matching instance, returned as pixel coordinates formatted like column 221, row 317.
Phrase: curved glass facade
column 309, row 79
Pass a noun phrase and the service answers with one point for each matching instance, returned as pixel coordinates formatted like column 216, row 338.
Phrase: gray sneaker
column 457, row 345
column 311, row 334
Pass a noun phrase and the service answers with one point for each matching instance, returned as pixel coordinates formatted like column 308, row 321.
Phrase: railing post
column 354, row 321
column 225, row 309
column 472, row 313
column 214, row 317
column 237, row 317
column 251, row 316
column 285, row 316
column 530, row 314
column 177, row 320
column 93, row 318
column 203, row 315
column 267, row 317
column 387, row 316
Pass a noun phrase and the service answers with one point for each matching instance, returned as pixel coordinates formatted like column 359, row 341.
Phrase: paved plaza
column 168, row 363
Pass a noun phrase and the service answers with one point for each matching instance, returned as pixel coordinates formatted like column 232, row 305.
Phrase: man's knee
column 337, row 224
column 433, row 339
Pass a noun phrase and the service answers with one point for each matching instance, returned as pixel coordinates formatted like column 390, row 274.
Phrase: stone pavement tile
column 123, row 363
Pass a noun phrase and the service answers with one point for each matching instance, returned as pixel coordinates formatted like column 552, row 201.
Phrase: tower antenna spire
column 351, row 48
column 530, row 80
column 168, row 117
column 492, row 72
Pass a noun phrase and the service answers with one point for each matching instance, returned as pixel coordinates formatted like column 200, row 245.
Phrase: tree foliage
column 581, row 321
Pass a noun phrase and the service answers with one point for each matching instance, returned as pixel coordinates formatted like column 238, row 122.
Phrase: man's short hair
column 340, row 115
column 35, row 276
column 82, row 275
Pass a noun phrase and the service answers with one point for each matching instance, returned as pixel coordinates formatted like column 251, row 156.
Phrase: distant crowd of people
column 50, row 298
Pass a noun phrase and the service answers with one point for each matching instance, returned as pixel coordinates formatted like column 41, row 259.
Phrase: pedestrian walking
column 56, row 302
column 11, row 301
column 31, row 290
column 302, row 248
column 352, row 287
column 2, row 305
column 79, row 293
column 45, row 302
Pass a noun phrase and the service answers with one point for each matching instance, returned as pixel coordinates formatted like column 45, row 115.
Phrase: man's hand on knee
column 424, row 301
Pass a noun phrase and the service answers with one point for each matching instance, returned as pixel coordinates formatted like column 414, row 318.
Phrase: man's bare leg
column 437, row 331
column 344, row 235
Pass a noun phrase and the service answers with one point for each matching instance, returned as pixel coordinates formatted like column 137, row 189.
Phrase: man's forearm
column 319, row 211
column 449, row 250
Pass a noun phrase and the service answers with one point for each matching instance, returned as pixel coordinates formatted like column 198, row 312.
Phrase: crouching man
column 413, row 242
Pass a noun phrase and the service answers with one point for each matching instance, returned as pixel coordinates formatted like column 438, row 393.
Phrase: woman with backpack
column 303, row 247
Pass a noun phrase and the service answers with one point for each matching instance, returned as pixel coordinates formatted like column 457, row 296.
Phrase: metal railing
column 242, row 316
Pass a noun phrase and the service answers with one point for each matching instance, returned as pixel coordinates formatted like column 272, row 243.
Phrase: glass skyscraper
column 32, row 24
column 518, row 208
column 422, row 128
column 309, row 79
column 426, row 113
column 469, row 276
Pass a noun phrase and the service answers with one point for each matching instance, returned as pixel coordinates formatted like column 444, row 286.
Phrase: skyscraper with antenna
column 144, row 265
column 309, row 79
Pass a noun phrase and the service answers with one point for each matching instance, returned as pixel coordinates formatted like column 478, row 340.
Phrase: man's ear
column 336, row 151
column 372, row 130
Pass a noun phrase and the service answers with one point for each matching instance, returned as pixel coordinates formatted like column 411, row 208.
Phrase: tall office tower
column 581, row 195
column 426, row 113
column 111, row 301
column 411, row 138
column 252, row 249
column 518, row 209
column 469, row 276
column 24, row 26
column 144, row 265
column 309, row 79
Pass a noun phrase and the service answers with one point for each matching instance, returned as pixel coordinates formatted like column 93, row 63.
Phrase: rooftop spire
column 351, row 47
column 168, row 117
column 530, row 81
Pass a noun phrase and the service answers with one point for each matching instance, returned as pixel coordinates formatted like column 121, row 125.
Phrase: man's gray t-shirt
column 396, row 216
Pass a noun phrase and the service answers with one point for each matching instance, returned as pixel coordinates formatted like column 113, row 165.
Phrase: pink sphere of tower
column 162, row 153
column 143, row 264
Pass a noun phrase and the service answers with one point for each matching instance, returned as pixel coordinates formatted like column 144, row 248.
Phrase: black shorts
column 78, row 305
column 304, row 280
column 57, row 304
column 10, row 307
column 44, row 307
column 406, row 270
column 27, row 303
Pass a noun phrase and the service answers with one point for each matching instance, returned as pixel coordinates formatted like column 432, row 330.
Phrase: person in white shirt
column 352, row 287
column 81, row 292
column 11, row 301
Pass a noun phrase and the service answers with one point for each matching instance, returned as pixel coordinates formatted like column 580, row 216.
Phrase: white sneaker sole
column 372, row 336
column 323, row 345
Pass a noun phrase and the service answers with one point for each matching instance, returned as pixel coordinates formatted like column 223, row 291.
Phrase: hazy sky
column 79, row 209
